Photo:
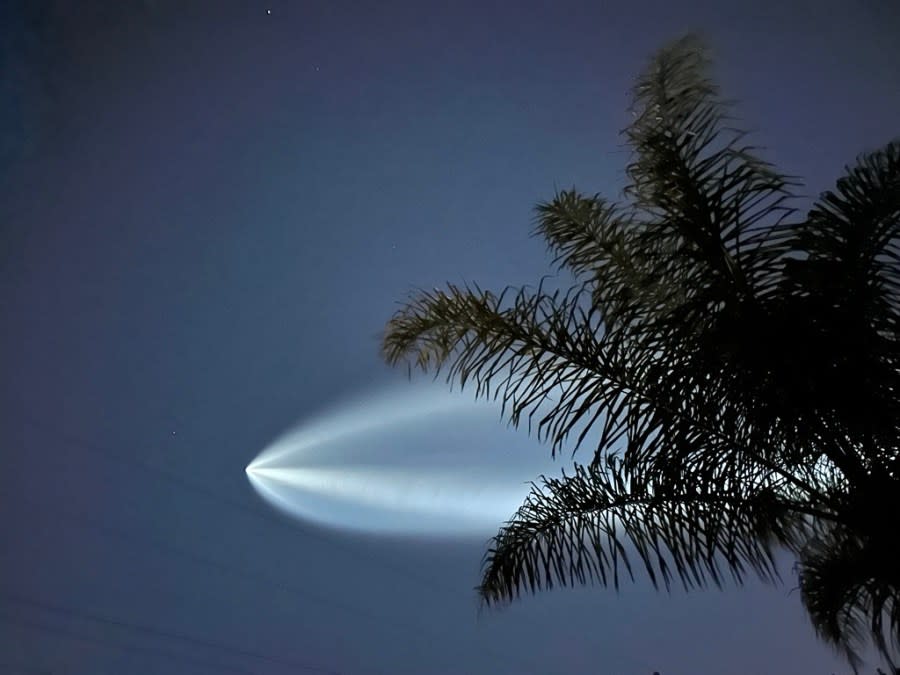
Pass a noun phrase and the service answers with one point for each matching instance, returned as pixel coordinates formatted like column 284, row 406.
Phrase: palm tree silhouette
column 733, row 365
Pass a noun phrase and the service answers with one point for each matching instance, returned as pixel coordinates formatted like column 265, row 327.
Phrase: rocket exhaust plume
column 416, row 460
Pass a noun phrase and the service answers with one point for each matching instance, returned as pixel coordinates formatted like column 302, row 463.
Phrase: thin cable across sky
column 408, row 575
column 20, row 599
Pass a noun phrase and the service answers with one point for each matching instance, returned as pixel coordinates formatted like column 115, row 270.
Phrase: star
column 269, row 12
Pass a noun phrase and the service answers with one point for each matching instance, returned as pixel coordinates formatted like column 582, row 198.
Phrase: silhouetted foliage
column 734, row 366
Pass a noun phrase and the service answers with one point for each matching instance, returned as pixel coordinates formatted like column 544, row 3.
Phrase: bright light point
column 419, row 461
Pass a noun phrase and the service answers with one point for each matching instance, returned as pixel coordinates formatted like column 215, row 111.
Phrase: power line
column 153, row 543
column 257, row 577
column 260, row 578
column 237, row 505
column 174, row 656
column 24, row 670
column 148, row 541
column 158, row 632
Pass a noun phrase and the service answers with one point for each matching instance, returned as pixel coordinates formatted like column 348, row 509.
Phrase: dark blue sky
column 209, row 211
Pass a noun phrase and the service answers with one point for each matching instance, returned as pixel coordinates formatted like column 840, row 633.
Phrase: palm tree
column 733, row 366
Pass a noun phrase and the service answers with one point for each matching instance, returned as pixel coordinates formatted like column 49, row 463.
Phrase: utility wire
column 156, row 544
column 258, row 577
column 238, row 505
column 235, row 504
column 173, row 656
column 158, row 632
column 402, row 627
column 24, row 670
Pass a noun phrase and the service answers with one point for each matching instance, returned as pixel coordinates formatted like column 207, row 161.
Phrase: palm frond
column 528, row 348
column 737, row 374
column 856, row 229
column 599, row 242
column 844, row 297
column 520, row 347
column 703, row 183
column 545, row 357
column 589, row 528
column 842, row 585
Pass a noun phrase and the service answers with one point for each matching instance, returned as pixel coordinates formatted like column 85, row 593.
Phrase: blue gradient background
column 208, row 212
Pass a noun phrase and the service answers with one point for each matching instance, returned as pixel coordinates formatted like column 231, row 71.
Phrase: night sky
column 210, row 209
